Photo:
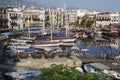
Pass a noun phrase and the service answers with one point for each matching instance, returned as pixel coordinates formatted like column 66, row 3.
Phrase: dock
column 92, row 58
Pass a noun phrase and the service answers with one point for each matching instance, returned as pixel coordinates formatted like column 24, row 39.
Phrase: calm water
column 97, row 49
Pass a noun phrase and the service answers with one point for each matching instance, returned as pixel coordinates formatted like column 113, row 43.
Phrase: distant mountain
column 11, row 3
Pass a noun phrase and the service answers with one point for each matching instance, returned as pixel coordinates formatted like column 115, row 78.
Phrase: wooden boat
column 51, row 43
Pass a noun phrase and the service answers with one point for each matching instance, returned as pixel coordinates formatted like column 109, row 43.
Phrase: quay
column 93, row 58
column 31, row 63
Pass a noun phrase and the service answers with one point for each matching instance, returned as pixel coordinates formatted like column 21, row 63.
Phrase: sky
column 94, row 5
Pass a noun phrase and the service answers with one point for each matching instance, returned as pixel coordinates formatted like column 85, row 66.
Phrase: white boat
column 50, row 43
column 21, row 40
column 84, row 51
column 26, row 74
column 88, row 68
column 79, row 69
column 112, row 73
column 68, row 40
column 18, row 45
column 66, row 44
column 115, row 44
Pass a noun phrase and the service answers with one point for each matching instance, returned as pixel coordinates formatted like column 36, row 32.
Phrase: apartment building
column 58, row 17
column 15, row 19
column 3, row 18
column 103, row 19
column 115, row 18
column 34, row 17
column 72, row 16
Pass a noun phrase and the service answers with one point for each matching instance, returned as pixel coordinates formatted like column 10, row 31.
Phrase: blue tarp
column 7, row 33
column 32, row 29
column 118, row 27
column 57, row 34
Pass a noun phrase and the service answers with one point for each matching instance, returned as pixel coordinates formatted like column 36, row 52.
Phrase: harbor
column 34, row 40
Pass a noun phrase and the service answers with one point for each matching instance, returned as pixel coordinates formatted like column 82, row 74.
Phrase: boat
column 79, row 69
column 66, row 44
column 115, row 44
column 88, row 68
column 21, row 40
column 51, row 43
column 110, row 32
column 68, row 39
column 18, row 44
column 112, row 73
column 25, row 74
column 61, row 35
column 98, row 32
column 84, row 51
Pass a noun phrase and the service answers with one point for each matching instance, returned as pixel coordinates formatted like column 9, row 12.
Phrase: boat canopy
column 7, row 33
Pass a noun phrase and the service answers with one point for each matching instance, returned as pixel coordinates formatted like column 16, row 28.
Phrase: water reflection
column 100, row 45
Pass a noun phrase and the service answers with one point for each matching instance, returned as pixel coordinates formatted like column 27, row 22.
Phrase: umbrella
column 74, row 48
column 84, row 49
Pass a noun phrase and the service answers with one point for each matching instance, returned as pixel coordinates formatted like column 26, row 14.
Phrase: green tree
column 60, row 72
column 83, row 22
column 89, row 23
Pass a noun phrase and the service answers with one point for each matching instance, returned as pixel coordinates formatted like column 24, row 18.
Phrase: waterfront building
column 57, row 17
column 115, row 18
column 103, row 19
column 15, row 19
column 33, row 17
column 72, row 16
column 3, row 19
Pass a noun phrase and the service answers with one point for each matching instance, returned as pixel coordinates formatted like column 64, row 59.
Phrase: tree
column 89, row 23
column 60, row 72
column 83, row 22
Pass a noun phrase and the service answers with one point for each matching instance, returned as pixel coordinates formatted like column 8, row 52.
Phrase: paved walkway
column 44, row 63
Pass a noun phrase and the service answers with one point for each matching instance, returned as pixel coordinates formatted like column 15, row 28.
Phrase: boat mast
column 51, row 27
column 66, row 23
column 28, row 26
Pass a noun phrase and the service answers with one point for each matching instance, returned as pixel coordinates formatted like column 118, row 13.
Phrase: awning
column 7, row 33
column 17, row 31
column 84, row 49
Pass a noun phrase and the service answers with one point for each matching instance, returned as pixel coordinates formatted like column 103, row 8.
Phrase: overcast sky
column 98, row 5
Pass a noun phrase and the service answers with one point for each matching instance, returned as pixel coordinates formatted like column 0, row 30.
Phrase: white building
column 57, row 17
column 15, row 18
column 114, row 18
column 82, row 12
column 103, row 19
column 34, row 17
column 72, row 16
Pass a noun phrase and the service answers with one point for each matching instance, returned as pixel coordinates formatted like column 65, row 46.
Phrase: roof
column 100, row 66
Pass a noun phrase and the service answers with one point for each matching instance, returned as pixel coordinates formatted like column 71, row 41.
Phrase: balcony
column 3, row 20
column 36, row 19
column 13, row 17
column 103, row 19
column 14, row 24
